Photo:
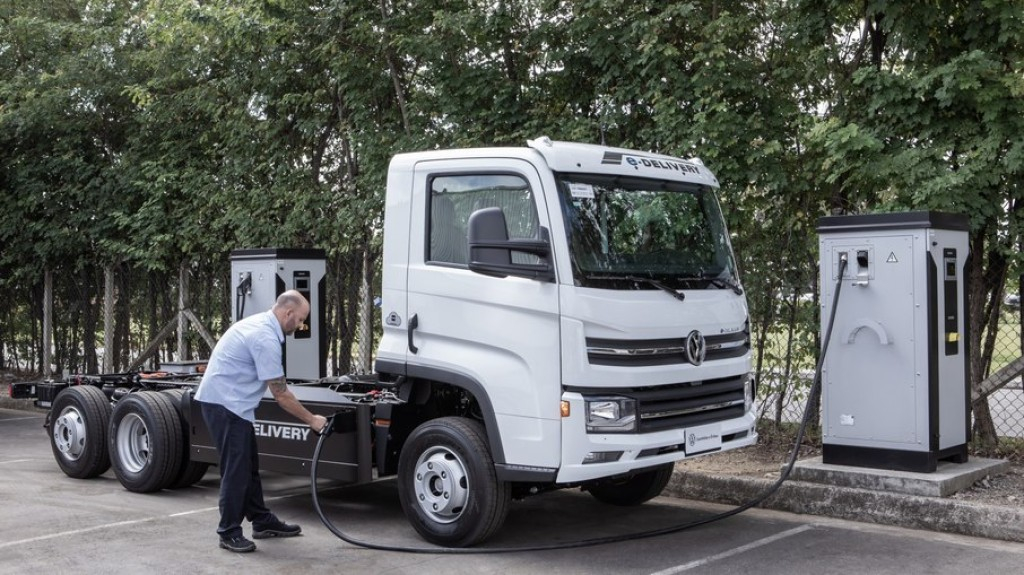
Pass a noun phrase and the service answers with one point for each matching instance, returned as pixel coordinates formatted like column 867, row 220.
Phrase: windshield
column 623, row 230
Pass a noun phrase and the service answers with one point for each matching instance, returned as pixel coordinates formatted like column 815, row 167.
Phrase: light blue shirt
column 245, row 358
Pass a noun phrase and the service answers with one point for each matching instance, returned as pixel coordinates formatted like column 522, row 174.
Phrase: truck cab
column 580, row 302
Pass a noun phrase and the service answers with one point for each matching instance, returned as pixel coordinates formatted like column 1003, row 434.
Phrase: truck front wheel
column 78, row 431
column 145, row 441
column 447, row 483
column 632, row 490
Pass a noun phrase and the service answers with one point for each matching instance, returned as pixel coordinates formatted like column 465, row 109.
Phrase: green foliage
column 159, row 131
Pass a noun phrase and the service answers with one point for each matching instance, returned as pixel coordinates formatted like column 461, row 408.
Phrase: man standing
column 244, row 363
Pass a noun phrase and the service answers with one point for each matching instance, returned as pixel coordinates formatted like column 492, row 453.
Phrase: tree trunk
column 980, row 318
column 787, row 369
column 183, row 303
column 366, row 314
column 984, row 428
column 393, row 67
column 122, row 319
column 46, row 366
column 151, row 309
column 108, row 319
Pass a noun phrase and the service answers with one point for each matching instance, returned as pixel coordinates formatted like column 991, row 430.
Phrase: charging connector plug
column 844, row 261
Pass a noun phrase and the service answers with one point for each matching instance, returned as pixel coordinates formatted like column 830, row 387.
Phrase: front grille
column 682, row 405
column 649, row 352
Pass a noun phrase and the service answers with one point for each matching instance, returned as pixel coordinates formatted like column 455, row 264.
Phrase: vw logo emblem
column 696, row 348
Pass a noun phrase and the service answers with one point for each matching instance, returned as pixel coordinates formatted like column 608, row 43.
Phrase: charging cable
column 815, row 391
column 244, row 289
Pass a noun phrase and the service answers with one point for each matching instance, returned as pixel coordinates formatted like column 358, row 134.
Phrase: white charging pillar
column 895, row 389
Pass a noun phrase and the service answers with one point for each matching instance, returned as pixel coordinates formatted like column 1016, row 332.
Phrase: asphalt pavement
column 55, row 524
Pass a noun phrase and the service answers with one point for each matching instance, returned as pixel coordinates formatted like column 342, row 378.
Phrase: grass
column 1008, row 338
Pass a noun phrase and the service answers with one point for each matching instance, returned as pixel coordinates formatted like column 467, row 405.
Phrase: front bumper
column 622, row 453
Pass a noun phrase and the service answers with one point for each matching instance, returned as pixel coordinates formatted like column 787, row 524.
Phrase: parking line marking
column 15, row 461
column 138, row 521
column 76, row 532
column 193, row 512
column 19, row 418
column 741, row 549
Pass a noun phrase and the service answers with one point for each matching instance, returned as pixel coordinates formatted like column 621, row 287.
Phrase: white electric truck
column 557, row 315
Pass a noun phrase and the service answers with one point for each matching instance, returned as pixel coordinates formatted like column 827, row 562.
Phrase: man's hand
column 286, row 399
column 319, row 424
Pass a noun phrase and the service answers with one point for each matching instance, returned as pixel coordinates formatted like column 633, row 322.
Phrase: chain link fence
column 1007, row 403
column 146, row 301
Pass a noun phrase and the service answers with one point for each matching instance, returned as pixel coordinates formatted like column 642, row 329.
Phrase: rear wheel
column 632, row 490
column 145, row 441
column 78, row 431
column 447, row 483
column 191, row 471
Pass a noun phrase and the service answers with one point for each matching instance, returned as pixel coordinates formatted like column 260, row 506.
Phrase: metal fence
column 159, row 316
column 139, row 304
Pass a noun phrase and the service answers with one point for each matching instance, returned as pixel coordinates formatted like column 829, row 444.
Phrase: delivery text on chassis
column 281, row 430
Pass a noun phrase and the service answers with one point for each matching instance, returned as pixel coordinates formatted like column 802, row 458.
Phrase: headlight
column 611, row 414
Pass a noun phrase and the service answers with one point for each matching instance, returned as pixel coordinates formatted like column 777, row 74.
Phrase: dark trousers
column 241, row 492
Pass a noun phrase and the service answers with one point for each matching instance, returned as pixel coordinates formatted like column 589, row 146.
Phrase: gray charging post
column 258, row 276
column 894, row 384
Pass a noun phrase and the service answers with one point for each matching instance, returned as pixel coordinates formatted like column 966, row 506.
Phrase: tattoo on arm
column 277, row 385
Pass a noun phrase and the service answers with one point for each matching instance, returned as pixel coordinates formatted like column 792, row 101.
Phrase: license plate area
column 703, row 439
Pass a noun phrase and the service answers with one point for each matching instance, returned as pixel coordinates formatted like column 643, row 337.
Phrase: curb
column 855, row 504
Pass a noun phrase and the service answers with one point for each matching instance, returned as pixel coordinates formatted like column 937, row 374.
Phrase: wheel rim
column 441, row 484
column 133, row 443
column 69, row 433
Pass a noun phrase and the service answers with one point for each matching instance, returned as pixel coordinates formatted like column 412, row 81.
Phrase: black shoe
column 237, row 544
column 275, row 528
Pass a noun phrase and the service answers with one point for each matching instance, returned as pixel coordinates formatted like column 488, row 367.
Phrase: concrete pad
column 946, row 480
column 880, row 507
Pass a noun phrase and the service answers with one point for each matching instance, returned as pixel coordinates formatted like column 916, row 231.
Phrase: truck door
column 497, row 336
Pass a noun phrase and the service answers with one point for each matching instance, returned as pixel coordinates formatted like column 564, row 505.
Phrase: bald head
column 290, row 298
column 291, row 310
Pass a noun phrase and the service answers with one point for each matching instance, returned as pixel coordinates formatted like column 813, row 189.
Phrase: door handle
column 414, row 322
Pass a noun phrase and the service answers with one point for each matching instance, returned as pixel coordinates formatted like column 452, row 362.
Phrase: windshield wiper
column 723, row 283
column 649, row 281
column 717, row 281
column 678, row 295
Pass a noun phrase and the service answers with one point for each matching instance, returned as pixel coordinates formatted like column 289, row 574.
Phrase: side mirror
column 490, row 249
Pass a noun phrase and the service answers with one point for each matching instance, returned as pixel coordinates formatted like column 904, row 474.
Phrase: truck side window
column 454, row 198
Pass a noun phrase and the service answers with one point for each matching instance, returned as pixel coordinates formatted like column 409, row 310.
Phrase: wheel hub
column 133, row 443
column 69, row 433
column 441, row 484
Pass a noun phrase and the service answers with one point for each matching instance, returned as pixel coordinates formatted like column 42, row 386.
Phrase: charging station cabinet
column 258, row 276
column 895, row 391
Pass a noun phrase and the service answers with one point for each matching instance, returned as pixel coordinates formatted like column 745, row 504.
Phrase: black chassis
column 285, row 444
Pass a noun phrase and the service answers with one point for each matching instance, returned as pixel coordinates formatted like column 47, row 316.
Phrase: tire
column 191, row 471
column 447, row 483
column 632, row 490
column 145, row 442
column 78, row 431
